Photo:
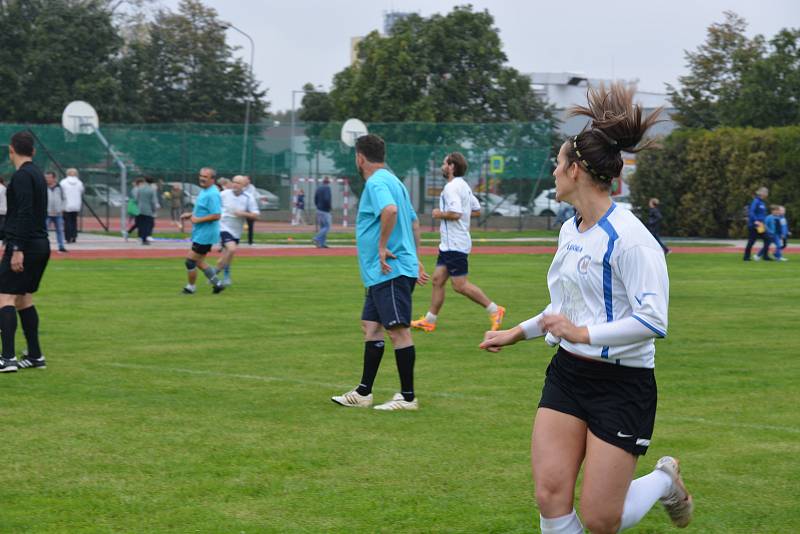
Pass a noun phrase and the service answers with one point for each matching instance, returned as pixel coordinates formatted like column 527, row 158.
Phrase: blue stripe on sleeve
column 651, row 327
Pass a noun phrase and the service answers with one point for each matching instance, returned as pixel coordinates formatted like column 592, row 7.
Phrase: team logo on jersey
column 583, row 264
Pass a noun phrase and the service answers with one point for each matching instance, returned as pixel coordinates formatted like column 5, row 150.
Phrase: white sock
column 491, row 308
column 566, row 524
column 642, row 495
column 431, row 318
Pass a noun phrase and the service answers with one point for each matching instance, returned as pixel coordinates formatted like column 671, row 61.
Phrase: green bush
column 706, row 179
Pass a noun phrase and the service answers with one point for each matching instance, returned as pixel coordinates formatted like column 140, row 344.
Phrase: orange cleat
column 497, row 318
column 423, row 324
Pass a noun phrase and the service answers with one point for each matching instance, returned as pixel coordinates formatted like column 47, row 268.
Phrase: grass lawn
column 160, row 412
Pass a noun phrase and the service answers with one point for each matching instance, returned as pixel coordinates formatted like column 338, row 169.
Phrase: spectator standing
column 147, row 201
column 250, row 189
column 784, row 228
column 756, row 215
column 654, row 219
column 322, row 201
column 55, row 208
column 73, row 193
column 3, row 203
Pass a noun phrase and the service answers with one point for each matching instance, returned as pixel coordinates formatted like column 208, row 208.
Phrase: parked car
column 546, row 205
column 503, row 206
column 102, row 194
column 267, row 200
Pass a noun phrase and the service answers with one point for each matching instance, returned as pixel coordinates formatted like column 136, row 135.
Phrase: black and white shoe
column 8, row 365
column 219, row 287
column 188, row 291
column 32, row 363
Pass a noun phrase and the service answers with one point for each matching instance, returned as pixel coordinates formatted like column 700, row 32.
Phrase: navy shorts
column 201, row 249
column 227, row 237
column 618, row 403
column 389, row 303
column 456, row 262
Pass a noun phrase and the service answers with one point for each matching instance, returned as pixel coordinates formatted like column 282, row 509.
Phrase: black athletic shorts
column 389, row 303
column 34, row 263
column 617, row 402
column 201, row 249
column 227, row 237
column 456, row 262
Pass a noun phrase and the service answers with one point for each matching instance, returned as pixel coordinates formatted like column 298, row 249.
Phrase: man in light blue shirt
column 387, row 237
column 205, row 231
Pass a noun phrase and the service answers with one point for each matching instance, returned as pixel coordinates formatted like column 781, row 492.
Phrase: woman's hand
column 560, row 326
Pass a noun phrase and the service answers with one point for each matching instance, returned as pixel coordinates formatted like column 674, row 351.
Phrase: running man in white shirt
column 609, row 294
column 237, row 206
column 456, row 206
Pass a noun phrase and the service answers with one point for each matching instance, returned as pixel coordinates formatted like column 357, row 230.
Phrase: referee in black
column 27, row 250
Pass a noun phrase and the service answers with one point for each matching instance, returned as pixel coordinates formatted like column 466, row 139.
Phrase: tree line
column 172, row 66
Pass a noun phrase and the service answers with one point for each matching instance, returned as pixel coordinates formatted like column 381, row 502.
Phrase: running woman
column 609, row 294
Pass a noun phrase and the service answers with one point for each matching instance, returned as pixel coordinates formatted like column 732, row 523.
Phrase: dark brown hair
column 371, row 147
column 617, row 125
column 22, row 143
column 459, row 162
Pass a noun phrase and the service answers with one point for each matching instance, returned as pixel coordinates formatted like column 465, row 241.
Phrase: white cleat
column 678, row 502
column 399, row 403
column 352, row 399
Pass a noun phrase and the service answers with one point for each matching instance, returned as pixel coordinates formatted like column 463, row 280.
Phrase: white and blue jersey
column 383, row 189
column 611, row 278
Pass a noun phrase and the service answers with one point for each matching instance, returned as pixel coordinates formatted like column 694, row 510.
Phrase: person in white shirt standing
column 609, row 295
column 3, row 203
column 457, row 204
column 238, row 206
column 73, row 195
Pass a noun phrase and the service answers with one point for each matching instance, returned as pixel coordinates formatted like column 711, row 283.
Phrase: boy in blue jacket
column 773, row 229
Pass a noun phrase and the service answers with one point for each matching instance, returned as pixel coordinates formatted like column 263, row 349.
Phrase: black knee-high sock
column 8, row 329
column 373, row 352
column 29, row 318
column 405, row 366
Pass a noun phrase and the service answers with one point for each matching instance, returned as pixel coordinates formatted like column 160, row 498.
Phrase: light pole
column 291, row 134
column 247, row 104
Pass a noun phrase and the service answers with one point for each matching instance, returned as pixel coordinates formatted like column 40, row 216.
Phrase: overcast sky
column 299, row 41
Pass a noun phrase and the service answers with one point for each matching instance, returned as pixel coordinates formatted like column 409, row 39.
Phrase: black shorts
column 201, row 249
column 389, row 303
column 456, row 262
column 33, row 265
column 618, row 403
column 227, row 237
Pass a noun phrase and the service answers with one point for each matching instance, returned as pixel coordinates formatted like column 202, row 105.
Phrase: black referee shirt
column 26, row 218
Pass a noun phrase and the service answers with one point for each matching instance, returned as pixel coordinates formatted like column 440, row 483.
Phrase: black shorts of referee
column 617, row 403
column 34, row 262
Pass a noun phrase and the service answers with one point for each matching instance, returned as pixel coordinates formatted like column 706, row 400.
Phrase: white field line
column 265, row 378
column 337, row 387
column 730, row 424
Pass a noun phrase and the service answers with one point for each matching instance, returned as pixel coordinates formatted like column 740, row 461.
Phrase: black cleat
column 32, row 363
column 8, row 365
column 187, row 291
column 218, row 288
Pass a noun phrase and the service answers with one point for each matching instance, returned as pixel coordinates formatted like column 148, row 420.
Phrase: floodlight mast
column 86, row 124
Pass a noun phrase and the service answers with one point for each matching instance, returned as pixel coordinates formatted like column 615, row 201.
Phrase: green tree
column 445, row 69
column 737, row 81
column 186, row 70
column 56, row 51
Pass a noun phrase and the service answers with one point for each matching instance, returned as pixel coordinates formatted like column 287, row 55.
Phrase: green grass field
column 165, row 413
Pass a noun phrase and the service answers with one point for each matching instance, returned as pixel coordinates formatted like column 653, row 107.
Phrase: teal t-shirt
column 208, row 203
column 382, row 189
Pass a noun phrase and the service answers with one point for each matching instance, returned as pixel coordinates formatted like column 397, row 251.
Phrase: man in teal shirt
column 205, row 231
column 387, row 237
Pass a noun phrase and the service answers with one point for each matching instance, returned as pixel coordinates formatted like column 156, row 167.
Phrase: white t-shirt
column 613, row 279
column 73, row 192
column 457, row 197
column 3, row 200
column 231, row 203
